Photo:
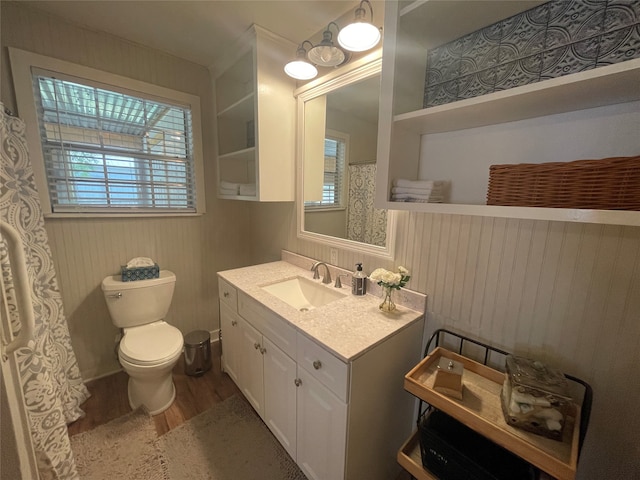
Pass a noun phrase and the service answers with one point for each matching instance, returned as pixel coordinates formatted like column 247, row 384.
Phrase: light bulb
column 300, row 70
column 359, row 36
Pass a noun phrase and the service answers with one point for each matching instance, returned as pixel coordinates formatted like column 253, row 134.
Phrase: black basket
column 452, row 451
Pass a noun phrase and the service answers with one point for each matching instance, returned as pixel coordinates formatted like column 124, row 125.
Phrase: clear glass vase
column 387, row 304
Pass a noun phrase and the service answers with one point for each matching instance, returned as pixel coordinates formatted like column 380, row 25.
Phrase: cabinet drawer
column 324, row 366
column 228, row 294
column 281, row 333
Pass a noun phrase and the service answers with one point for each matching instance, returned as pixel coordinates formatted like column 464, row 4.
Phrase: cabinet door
column 280, row 396
column 231, row 337
column 250, row 368
column 322, row 430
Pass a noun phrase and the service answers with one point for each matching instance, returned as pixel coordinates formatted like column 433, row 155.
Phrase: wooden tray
column 410, row 458
column 480, row 409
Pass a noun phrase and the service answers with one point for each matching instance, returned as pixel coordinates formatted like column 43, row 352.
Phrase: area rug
column 127, row 447
column 226, row 442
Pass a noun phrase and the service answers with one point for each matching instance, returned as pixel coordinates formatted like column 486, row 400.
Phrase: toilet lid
column 151, row 344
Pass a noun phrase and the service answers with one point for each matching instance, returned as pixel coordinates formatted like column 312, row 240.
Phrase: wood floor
column 194, row 395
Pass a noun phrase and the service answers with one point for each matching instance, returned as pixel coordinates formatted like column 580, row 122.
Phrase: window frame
column 22, row 63
column 318, row 207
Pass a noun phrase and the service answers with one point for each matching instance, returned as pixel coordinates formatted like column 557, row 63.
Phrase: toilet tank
column 139, row 302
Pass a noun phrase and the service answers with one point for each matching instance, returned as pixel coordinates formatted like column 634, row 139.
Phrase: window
column 109, row 148
column 335, row 153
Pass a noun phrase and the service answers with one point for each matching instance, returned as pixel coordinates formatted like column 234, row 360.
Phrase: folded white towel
column 410, row 195
column 228, row 191
column 140, row 262
column 229, row 185
column 247, row 189
column 420, row 191
column 401, row 182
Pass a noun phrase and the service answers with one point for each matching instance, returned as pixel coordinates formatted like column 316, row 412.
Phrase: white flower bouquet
column 388, row 279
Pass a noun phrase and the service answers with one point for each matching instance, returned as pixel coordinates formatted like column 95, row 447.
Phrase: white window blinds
column 334, row 174
column 111, row 150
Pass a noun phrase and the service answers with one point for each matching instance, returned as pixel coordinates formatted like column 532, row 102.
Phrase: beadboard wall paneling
column 566, row 293
column 87, row 250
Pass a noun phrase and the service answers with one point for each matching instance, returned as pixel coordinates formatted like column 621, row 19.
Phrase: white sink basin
column 303, row 294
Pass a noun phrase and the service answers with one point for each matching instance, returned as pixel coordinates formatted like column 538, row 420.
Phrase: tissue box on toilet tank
column 535, row 397
column 131, row 274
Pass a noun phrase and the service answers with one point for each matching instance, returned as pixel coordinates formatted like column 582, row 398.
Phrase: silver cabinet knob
column 256, row 346
column 226, row 294
column 298, row 382
column 317, row 364
column 234, row 323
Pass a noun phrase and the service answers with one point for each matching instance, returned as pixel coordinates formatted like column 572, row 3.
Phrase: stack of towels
column 230, row 188
column 421, row 191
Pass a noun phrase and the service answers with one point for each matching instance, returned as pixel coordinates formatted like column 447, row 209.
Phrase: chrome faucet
column 327, row 277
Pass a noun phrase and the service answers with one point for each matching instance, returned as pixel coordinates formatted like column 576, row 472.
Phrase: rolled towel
column 530, row 399
column 140, row 262
column 247, row 189
column 553, row 425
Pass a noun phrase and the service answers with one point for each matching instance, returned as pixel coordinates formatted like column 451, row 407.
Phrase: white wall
column 465, row 156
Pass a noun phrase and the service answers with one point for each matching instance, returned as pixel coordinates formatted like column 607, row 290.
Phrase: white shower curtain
column 364, row 222
column 50, row 377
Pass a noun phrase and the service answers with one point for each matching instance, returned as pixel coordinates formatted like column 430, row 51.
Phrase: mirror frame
column 362, row 69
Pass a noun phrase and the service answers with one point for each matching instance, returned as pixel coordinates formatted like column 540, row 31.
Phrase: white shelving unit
column 255, row 111
column 411, row 29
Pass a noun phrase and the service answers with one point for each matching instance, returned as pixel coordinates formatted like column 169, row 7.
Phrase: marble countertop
column 347, row 327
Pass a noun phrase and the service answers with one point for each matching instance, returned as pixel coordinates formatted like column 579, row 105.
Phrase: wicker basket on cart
column 606, row 184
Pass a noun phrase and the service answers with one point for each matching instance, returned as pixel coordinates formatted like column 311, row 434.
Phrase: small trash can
column 197, row 352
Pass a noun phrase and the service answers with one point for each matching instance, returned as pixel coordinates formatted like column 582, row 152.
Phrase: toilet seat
column 151, row 344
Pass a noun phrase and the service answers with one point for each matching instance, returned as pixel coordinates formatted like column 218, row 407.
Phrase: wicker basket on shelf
column 606, row 184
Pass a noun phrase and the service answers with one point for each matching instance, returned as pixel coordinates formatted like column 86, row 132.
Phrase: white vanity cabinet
column 337, row 419
column 255, row 116
column 583, row 115
column 255, row 347
column 280, row 396
column 323, row 383
column 242, row 357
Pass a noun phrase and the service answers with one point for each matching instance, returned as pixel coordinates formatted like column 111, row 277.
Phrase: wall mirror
column 337, row 148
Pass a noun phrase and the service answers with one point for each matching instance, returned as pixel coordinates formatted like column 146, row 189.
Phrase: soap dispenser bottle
column 358, row 281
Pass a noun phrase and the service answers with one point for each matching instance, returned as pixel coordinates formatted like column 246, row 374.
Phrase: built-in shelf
column 243, row 108
column 245, row 154
column 407, row 130
column 254, row 149
column 618, row 83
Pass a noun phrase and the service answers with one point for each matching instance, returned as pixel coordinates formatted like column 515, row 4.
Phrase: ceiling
column 199, row 31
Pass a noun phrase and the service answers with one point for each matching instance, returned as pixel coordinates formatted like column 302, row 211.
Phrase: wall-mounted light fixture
column 301, row 68
column 326, row 54
column 360, row 35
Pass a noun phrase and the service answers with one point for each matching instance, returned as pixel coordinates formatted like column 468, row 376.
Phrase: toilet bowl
column 149, row 347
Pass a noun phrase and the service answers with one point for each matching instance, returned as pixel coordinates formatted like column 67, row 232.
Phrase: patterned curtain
column 364, row 222
column 53, row 387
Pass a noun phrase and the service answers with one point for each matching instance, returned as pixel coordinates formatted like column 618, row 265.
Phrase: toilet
column 149, row 347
